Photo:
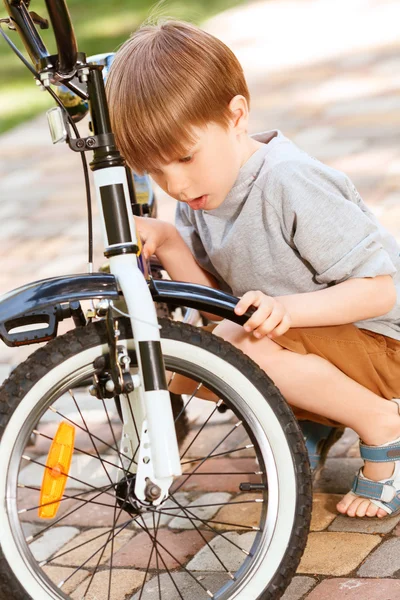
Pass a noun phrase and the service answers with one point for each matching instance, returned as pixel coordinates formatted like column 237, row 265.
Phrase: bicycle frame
column 54, row 299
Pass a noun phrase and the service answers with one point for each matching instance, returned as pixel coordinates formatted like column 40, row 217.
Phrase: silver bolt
column 93, row 390
column 102, row 307
column 110, row 387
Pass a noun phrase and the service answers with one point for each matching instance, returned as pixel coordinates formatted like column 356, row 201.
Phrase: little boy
column 260, row 218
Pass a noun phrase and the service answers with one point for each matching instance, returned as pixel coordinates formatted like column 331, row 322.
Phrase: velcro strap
column 373, row 489
column 380, row 453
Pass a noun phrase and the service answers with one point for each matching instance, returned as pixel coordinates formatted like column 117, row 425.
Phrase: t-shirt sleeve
column 326, row 225
column 186, row 225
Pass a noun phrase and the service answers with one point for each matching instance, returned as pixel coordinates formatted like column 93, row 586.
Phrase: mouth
column 197, row 203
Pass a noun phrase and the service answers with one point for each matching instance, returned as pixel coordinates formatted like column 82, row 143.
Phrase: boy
column 291, row 236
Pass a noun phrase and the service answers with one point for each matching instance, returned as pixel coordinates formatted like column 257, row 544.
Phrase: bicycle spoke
column 42, row 531
column 98, row 457
column 213, row 530
column 193, row 521
column 91, row 438
column 148, row 565
column 184, row 407
column 217, row 504
column 201, row 429
column 175, row 559
column 193, row 460
column 208, row 521
column 54, row 410
column 206, row 458
column 36, row 462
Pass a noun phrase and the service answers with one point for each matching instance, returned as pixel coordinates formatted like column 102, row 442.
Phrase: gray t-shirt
column 289, row 225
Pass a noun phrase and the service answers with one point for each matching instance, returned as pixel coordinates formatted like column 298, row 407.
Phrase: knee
column 258, row 349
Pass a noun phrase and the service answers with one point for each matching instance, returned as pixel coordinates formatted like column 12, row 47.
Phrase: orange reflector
column 56, row 471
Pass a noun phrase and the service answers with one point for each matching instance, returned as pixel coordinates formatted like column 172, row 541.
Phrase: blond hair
column 166, row 79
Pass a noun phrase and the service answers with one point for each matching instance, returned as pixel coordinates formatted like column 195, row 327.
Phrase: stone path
column 327, row 75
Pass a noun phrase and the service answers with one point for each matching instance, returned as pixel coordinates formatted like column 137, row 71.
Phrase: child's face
column 205, row 175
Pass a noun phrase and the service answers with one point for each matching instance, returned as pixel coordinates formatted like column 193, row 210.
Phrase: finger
column 269, row 324
column 248, row 299
column 258, row 318
column 282, row 328
column 148, row 249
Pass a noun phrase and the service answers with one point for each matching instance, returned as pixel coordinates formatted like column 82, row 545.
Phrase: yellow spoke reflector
column 56, row 472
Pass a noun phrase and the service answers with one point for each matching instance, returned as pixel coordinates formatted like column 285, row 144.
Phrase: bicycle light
column 56, row 472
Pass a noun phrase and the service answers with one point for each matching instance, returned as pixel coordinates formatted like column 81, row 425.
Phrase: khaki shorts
column 371, row 359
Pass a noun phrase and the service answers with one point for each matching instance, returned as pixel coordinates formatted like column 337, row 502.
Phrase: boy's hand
column 153, row 234
column 270, row 318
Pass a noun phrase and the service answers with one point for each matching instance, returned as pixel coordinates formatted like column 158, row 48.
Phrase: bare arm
column 347, row 302
column 163, row 240
column 352, row 300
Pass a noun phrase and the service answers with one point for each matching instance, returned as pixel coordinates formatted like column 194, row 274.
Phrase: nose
column 176, row 184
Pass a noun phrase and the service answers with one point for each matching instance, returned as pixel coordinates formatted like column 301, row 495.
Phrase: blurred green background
column 100, row 26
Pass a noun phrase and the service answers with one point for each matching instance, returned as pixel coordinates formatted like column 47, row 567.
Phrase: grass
column 100, row 26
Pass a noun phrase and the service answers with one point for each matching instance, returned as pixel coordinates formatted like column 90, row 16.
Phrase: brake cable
column 76, row 132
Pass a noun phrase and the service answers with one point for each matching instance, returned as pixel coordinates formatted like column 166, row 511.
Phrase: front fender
column 38, row 306
column 197, row 296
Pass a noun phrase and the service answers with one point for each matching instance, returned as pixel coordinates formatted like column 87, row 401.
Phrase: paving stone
column 384, row 561
column 244, row 509
column 59, row 574
column 88, row 545
column 323, row 510
column 357, row 589
column 344, row 444
column 230, row 555
column 338, row 474
column 186, row 585
column 51, row 541
column 175, row 549
column 364, row 525
column 123, row 582
column 203, row 512
column 222, row 477
column 99, row 513
column 298, row 587
column 336, row 553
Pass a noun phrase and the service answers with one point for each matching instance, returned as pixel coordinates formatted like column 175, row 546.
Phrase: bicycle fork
column 158, row 460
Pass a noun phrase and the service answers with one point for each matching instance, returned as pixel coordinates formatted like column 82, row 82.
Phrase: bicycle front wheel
column 235, row 523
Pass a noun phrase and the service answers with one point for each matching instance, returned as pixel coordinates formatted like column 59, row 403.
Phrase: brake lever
column 38, row 20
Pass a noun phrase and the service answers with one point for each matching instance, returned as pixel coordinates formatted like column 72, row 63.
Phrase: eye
column 187, row 159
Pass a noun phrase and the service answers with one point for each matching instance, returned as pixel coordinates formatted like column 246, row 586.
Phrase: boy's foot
column 376, row 488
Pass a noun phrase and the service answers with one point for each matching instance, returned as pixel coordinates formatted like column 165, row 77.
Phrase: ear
column 240, row 114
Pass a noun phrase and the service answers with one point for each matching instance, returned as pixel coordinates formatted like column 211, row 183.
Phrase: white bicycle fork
column 158, row 456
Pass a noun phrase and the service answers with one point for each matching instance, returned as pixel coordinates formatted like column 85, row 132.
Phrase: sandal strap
column 375, row 490
column 388, row 453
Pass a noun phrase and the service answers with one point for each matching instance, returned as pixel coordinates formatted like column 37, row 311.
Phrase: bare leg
column 312, row 383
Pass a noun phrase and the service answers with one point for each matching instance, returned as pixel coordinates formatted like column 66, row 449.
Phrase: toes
column 362, row 508
column 352, row 510
column 382, row 513
column 373, row 510
column 345, row 502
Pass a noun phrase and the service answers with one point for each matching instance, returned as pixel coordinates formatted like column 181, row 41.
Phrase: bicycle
column 149, row 490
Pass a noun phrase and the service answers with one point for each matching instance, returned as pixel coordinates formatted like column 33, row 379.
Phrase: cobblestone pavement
column 327, row 75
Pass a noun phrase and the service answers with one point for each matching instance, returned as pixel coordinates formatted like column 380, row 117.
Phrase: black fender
column 47, row 302
column 197, row 296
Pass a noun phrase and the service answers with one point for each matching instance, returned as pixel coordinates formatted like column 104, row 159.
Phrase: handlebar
column 63, row 32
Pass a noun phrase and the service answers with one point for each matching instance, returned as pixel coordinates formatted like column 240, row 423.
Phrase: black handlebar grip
column 65, row 37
